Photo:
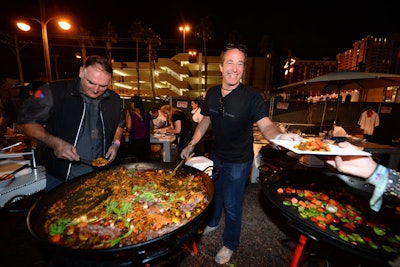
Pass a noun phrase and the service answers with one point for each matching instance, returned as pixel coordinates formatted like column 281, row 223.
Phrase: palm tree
column 111, row 36
column 85, row 39
column 136, row 30
column 11, row 40
column 152, row 40
column 205, row 31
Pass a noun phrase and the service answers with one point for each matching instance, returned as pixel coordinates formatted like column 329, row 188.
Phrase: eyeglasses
column 221, row 107
column 230, row 46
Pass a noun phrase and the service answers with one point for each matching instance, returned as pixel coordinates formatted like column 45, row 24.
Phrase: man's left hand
column 112, row 153
column 290, row 137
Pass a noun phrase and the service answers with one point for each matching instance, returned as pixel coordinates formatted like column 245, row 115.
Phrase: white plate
column 335, row 150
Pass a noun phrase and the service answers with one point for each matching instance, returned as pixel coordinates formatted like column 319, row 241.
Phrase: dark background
column 309, row 29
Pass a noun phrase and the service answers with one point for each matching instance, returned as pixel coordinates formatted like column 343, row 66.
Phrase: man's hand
column 112, row 153
column 187, row 152
column 64, row 150
column 290, row 137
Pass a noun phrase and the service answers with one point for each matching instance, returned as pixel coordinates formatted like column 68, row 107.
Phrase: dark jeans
column 229, row 185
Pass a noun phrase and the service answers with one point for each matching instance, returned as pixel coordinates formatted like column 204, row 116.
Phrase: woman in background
column 138, row 124
column 179, row 124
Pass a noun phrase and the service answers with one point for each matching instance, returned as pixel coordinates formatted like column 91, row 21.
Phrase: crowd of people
column 83, row 119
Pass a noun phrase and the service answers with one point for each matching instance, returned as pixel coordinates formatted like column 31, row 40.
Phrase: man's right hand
column 64, row 150
column 187, row 152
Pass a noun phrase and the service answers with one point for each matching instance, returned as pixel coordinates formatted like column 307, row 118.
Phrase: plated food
column 122, row 207
column 333, row 149
column 312, row 144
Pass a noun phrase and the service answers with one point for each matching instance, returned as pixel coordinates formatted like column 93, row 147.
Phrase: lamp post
column 184, row 29
column 43, row 23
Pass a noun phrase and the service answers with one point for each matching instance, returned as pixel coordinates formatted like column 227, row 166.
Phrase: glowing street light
column 184, row 29
column 24, row 26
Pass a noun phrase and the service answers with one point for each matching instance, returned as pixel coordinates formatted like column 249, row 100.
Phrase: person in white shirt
column 196, row 111
column 368, row 120
column 159, row 121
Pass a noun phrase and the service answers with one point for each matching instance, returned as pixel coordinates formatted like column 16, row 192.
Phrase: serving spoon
column 177, row 167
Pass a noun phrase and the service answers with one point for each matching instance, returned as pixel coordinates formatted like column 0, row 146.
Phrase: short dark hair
column 102, row 61
column 230, row 46
column 196, row 101
column 137, row 100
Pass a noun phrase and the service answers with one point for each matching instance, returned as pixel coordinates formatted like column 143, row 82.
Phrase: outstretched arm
column 61, row 148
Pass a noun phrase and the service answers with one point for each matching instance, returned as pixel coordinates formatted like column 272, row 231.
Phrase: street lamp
column 184, row 29
column 43, row 22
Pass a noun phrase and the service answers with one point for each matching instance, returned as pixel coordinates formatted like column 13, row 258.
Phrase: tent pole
column 323, row 116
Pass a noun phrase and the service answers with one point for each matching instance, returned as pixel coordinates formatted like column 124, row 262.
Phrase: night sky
column 310, row 31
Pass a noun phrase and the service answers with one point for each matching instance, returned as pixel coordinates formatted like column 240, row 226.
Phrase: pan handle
column 214, row 171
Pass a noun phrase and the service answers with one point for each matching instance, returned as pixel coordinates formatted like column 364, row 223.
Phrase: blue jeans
column 229, row 185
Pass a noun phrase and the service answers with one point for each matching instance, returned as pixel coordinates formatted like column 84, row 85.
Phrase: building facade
column 370, row 54
column 183, row 76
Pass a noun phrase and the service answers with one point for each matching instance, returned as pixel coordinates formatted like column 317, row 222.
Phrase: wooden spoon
column 177, row 167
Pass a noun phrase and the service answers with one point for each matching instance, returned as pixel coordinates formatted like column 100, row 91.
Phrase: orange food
column 99, row 162
column 123, row 207
column 313, row 144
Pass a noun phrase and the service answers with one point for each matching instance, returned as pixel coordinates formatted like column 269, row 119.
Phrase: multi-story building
column 370, row 54
column 374, row 54
column 183, row 76
column 299, row 70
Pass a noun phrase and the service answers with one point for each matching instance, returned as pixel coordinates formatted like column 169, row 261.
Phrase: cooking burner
column 319, row 182
column 278, row 171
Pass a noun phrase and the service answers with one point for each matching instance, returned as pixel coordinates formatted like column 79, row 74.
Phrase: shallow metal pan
column 140, row 253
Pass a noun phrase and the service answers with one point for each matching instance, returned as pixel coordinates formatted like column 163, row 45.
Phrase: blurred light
column 184, row 29
column 24, row 26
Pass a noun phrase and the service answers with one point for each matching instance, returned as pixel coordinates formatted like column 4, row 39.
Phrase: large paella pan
column 133, row 213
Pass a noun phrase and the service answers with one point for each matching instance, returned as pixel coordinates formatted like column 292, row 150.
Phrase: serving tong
column 11, row 146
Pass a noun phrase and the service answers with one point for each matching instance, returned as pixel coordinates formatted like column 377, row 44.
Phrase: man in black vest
column 75, row 118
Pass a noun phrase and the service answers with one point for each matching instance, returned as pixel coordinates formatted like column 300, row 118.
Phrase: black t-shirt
column 186, row 128
column 233, row 131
